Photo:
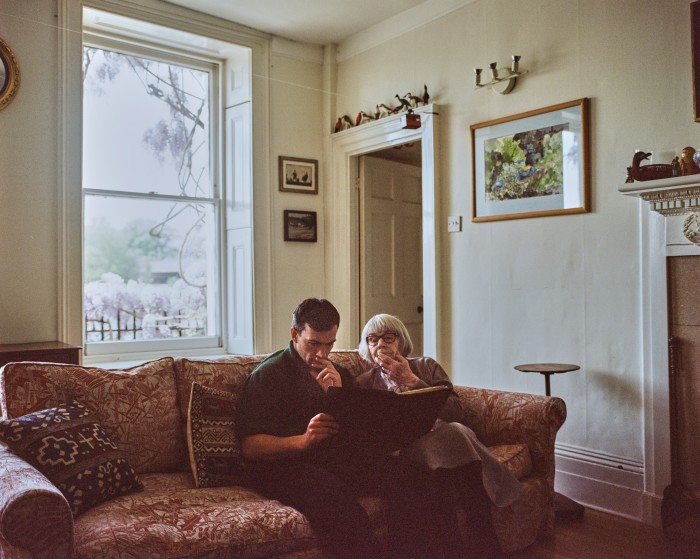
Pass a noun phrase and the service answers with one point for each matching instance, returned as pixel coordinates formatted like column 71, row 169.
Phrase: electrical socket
column 454, row 224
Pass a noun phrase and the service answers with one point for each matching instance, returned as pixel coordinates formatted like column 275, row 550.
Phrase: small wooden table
column 547, row 369
column 564, row 508
column 53, row 352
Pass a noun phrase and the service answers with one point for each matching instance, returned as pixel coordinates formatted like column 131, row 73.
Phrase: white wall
column 565, row 288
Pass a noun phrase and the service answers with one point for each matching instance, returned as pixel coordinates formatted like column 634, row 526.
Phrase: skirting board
column 605, row 482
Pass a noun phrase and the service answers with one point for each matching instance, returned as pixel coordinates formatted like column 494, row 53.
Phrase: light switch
column 454, row 224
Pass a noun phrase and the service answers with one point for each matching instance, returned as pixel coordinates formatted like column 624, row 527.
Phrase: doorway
column 390, row 237
column 343, row 211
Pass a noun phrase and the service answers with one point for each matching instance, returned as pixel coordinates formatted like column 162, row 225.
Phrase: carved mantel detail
column 675, row 196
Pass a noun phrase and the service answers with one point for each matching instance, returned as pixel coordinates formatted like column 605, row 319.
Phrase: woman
column 451, row 450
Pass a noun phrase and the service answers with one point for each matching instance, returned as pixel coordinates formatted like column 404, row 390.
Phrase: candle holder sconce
column 502, row 79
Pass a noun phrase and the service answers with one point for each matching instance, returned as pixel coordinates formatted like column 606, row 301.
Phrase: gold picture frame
column 695, row 56
column 9, row 75
column 532, row 164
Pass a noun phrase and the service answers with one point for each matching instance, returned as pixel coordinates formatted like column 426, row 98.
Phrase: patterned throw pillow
column 72, row 450
column 215, row 454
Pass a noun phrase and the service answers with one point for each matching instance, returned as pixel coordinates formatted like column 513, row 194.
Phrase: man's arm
column 270, row 447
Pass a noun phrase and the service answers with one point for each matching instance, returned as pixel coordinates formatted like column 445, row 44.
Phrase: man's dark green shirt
column 280, row 397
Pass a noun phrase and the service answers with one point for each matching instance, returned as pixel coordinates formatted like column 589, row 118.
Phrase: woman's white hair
column 381, row 324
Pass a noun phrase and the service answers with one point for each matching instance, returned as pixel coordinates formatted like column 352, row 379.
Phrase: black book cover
column 384, row 419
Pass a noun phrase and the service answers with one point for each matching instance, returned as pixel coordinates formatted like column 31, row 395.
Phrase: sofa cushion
column 516, row 458
column 227, row 374
column 171, row 518
column 215, row 454
column 74, row 452
column 137, row 406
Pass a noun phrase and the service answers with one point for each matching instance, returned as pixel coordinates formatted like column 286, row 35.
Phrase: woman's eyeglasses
column 388, row 337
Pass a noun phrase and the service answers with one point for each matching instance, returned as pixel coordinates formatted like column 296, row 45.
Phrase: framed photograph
column 695, row 50
column 298, row 175
column 532, row 164
column 300, row 226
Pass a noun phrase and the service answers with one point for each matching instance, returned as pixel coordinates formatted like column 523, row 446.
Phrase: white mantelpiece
column 667, row 229
column 672, row 196
column 678, row 200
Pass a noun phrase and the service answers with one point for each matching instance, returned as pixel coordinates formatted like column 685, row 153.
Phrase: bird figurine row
column 405, row 104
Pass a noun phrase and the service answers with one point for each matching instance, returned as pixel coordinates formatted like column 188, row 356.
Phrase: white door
column 391, row 269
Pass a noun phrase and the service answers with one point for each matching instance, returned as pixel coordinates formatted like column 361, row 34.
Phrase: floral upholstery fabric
column 137, row 406
column 172, row 518
column 23, row 492
column 516, row 457
column 514, row 418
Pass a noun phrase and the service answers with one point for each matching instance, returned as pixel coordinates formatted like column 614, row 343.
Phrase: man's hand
column 321, row 427
column 325, row 374
column 270, row 447
column 398, row 369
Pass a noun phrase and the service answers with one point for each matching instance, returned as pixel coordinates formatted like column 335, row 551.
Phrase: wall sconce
column 502, row 79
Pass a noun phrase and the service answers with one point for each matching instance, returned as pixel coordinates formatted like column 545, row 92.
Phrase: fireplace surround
column 670, row 243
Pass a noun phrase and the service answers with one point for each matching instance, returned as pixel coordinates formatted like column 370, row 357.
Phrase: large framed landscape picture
column 531, row 164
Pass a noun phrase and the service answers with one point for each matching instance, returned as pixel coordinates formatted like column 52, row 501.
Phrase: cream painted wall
column 295, row 100
column 563, row 288
column 28, row 169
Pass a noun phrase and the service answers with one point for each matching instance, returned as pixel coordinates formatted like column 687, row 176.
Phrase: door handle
column 419, row 309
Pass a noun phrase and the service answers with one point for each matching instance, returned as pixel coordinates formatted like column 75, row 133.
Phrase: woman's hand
column 397, row 368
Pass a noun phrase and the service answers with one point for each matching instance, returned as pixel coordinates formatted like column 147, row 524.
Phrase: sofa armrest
column 499, row 417
column 35, row 518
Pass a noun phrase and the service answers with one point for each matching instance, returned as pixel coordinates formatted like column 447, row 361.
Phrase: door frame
column 341, row 229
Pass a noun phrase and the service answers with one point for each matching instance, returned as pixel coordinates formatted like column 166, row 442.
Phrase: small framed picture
column 300, row 226
column 298, row 175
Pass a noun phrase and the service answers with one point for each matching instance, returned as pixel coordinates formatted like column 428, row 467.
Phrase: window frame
column 235, row 293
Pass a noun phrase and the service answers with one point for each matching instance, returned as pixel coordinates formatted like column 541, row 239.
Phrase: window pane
column 145, row 125
column 150, row 269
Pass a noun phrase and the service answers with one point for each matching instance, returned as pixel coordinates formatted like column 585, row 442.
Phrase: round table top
column 543, row 368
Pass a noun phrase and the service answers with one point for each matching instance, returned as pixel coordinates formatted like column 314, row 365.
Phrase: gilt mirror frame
column 9, row 75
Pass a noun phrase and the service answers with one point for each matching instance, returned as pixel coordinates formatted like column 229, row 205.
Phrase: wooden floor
column 605, row 536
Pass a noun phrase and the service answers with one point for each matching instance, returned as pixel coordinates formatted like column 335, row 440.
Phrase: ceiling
column 310, row 21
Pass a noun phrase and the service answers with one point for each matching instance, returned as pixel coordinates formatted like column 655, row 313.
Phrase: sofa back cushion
column 137, row 407
column 350, row 359
column 226, row 374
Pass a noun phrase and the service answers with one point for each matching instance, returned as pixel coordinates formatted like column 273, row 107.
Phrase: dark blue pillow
column 72, row 450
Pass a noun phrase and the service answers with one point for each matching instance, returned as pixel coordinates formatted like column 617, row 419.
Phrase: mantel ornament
column 9, row 75
column 691, row 228
column 686, row 164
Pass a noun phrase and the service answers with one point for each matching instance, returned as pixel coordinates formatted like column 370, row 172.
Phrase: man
column 300, row 461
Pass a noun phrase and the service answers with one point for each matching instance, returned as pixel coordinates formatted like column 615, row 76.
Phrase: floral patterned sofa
column 145, row 412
